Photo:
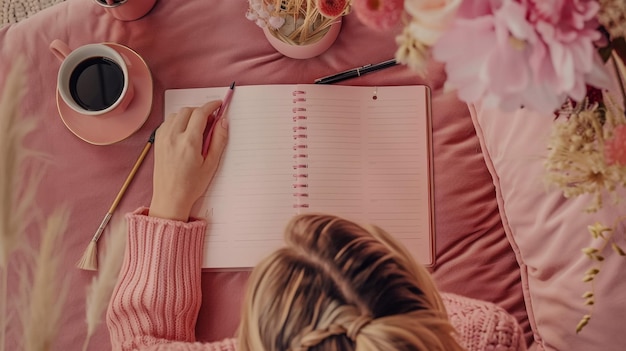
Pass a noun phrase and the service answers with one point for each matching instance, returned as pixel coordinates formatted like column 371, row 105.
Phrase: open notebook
column 363, row 153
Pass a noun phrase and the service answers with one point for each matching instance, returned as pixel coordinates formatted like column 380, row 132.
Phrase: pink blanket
column 210, row 43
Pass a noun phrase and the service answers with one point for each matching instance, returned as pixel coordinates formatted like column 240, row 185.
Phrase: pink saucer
column 114, row 126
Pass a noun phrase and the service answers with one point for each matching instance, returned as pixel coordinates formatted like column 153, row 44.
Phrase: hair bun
column 353, row 330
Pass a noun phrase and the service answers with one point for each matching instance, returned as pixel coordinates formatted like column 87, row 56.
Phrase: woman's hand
column 181, row 173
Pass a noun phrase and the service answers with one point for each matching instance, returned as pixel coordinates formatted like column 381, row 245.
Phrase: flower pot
column 308, row 50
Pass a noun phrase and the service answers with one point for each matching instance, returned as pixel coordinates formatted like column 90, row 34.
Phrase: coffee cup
column 93, row 79
column 127, row 10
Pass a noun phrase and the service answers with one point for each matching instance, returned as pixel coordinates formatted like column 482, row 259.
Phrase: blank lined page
column 369, row 159
column 335, row 147
column 250, row 200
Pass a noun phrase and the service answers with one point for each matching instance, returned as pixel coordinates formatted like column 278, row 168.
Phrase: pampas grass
column 13, row 213
column 41, row 290
column 42, row 311
column 101, row 288
column 15, row 200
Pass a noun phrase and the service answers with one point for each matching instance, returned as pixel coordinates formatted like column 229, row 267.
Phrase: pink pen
column 218, row 116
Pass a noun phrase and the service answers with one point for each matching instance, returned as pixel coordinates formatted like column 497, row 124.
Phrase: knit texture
column 482, row 325
column 158, row 296
column 14, row 11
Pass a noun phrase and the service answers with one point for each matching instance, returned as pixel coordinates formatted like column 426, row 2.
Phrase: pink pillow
column 474, row 258
column 547, row 233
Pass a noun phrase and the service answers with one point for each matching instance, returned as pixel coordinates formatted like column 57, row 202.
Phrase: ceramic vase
column 307, row 50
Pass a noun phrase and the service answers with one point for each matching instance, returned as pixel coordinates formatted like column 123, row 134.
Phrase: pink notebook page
column 316, row 148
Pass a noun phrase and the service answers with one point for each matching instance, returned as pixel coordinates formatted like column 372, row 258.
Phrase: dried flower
column 263, row 14
column 574, row 161
column 598, row 229
column 429, row 19
column 41, row 313
column 412, row 52
column 612, row 16
column 618, row 249
column 332, row 8
column 101, row 288
column 380, row 15
column 14, row 206
column 615, row 148
column 586, row 156
column 583, row 322
column 297, row 22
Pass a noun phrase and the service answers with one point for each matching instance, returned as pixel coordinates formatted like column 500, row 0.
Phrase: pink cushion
column 474, row 258
column 547, row 233
column 202, row 44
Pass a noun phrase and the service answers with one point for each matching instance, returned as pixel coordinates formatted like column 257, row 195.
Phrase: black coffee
column 96, row 83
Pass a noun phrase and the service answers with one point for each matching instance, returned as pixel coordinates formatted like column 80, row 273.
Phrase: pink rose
column 380, row 15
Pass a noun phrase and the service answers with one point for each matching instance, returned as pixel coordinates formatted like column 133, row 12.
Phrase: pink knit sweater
column 156, row 301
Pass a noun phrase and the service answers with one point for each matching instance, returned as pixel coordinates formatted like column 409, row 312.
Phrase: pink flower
column 568, row 31
column 615, row 148
column 379, row 14
column 331, row 8
column 534, row 53
column 261, row 14
column 430, row 18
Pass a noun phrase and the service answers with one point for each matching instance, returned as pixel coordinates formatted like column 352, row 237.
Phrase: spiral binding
column 300, row 148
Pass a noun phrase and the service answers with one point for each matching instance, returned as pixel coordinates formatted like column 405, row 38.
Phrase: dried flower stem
column 618, row 73
column 100, row 291
column 42, row 311
column 310, row 24
column 578, row 163
column 13, row 205
column 412, row 52
column 606, row 234
column 13, row 130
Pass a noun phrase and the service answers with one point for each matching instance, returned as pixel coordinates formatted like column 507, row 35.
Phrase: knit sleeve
column 224, row 345
column 158, row 293
column 483, row 326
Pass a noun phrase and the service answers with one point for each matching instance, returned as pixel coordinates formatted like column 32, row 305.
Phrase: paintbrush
column 89, row 260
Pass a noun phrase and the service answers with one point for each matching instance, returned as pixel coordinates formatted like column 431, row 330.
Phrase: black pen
column 356, row 72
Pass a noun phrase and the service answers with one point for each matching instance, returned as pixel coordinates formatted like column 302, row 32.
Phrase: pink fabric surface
column 548, row 233
column 203, row 44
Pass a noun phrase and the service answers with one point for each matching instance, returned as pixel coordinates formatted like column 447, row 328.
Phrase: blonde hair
column 339, row 286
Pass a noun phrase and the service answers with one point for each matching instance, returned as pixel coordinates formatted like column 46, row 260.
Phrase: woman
column 336, row 285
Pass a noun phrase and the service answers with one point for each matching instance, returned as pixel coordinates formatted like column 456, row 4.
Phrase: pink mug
column 127, row 10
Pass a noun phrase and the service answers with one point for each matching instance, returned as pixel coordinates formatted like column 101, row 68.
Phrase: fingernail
column 224, row 123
